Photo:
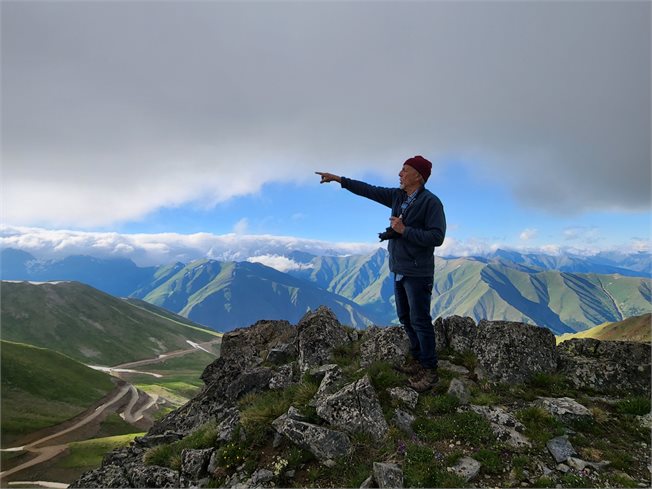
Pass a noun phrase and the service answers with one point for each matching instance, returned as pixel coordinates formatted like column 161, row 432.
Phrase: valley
column 135, row 406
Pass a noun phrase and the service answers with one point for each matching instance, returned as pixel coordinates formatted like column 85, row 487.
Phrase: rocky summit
column 320, row 405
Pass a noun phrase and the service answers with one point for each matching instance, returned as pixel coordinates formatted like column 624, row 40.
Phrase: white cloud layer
column 158, row 249
column 112, row 110
column 280, row 263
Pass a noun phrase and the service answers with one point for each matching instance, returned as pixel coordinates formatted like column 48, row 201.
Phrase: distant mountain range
column 564, row 293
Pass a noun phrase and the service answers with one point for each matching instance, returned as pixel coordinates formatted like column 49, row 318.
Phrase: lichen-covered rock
column 282, row 377
column 389, row 344
column 355, row 408
column 466, row 467
column 318, row 334
column 460, row 391
column 403, row 421
column 322, row 442
column 564, row 408
column 153, row 476
column 504, row 425
column 253, row 380
column 330, row 382
column 282, row 354
column 512, row 352
column 404, row 395
column 387, row 475
column 455, row 332
column 106, row 476
column 154, row 440
column 606, row 366
column 246, row 348
column 560, row 448
column 194, row 463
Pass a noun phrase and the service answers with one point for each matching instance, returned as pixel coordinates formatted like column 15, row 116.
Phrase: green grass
column 637, row 405
column 41, row 388
column 107, row 330
column 88, row 454
column 490, row 460
column 468, row 427
column 169, row 455
column 435, row 405
column 424, row 467
column 540, row 426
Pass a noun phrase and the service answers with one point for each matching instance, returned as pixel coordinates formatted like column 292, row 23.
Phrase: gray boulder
column 153, row 476
column 606, row 366
column 560, row 448
column 389, row 344
column 387, row 475
column 354, row 408
column 282, row 377
column 458, row 389
column 194, row 463
column 512, row 352
column 564, row 408
column 504, row 425
column 105, row 476
column 332, row 374
column 322, row 442
column 154, row 440
column 455, row 332
column 468, row 468
column 319, row 333
column 282, row 354
column 256, row 379
column 403, row 421
column 404, row 395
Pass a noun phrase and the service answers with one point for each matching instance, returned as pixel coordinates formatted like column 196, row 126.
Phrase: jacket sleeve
column 382, row 195
column 435, row 229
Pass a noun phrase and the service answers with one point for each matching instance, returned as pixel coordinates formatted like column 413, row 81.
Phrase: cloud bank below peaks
column 273, row 251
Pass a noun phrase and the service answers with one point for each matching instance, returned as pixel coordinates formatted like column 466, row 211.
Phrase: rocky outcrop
column 455, row 332
column 514, row 352
column 354, row 409
column 275, row 355
column 319, row 333
column 389, row 344
column 322, row 442
column 604, row 366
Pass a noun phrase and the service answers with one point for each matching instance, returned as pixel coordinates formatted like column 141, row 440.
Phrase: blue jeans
column 413, row 296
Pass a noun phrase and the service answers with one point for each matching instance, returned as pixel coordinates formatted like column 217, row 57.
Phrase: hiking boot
column 426, row 381
column 410, row 367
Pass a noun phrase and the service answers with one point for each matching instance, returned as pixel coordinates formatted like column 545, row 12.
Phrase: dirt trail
column 177, row 353
column 48, row 452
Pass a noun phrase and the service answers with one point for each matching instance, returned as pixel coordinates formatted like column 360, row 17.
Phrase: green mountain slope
column 90, row 326
column 227, row 295
column 638, row 328
column 493, row 289
column 41, row 388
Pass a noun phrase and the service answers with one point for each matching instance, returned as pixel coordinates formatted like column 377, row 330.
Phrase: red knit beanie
column 420, row 164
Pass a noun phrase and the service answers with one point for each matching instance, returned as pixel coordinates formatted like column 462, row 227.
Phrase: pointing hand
column 328, row 177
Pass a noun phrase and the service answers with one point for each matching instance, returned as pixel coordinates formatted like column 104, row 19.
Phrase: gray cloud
column 113, row 109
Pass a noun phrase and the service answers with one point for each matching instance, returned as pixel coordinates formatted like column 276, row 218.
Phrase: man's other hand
column 397, row 224
column 328, row 177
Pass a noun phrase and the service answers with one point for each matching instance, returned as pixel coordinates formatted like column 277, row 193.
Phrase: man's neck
column 411, row 190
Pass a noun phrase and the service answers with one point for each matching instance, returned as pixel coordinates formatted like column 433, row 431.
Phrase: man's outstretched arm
column 381, row 195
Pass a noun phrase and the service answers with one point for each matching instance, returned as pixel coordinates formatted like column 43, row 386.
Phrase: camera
column 389, row 233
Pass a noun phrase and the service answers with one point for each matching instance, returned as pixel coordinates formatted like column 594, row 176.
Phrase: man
column 417, row 226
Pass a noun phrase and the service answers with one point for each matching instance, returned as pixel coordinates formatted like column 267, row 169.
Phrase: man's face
column 409, row 177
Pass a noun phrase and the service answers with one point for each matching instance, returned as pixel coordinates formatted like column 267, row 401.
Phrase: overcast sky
column 143, row 116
